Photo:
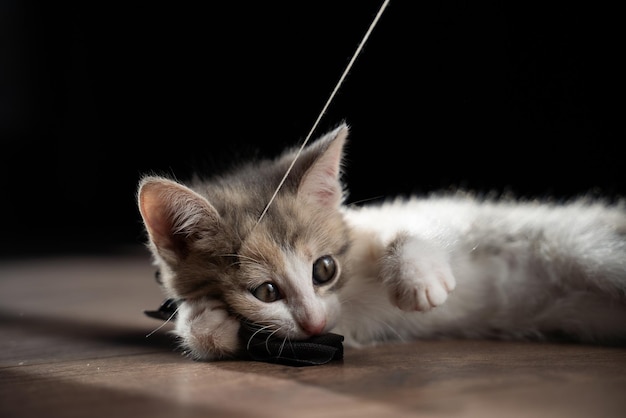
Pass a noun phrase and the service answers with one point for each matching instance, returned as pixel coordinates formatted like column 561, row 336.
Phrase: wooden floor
column 73, row 344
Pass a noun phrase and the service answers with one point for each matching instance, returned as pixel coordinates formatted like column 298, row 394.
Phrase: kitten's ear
column 174, row 215
column 321, row 183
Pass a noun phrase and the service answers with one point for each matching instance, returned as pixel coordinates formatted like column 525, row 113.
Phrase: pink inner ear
column 321, row 182
column 157, row 213
column 322, row 185
column 174, row 214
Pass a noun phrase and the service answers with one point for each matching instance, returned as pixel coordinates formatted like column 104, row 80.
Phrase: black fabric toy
column 261, row 345
column 166, row 311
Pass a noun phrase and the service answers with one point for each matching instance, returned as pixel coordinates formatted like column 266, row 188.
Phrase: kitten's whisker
column 165, row 322
column 255, row 333
column 260, row 252
column 282, row 346
column 372, row 315
column 228, row 255
column 369, row 199
column 240, row 256
column 240, row 259
column 250, row 259
column 391, row 328
column 267, row 340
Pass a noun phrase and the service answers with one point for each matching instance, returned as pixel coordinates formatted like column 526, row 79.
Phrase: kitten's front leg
column 417, row 273
column 207, row 330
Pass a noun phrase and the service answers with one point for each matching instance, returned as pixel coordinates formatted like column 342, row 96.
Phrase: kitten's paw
column 417, row 275
column 207, row 330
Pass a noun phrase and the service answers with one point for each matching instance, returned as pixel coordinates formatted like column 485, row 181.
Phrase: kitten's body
column 522, row 269
column 441, row 266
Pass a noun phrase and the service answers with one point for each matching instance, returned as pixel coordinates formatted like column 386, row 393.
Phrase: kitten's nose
column 313, row 327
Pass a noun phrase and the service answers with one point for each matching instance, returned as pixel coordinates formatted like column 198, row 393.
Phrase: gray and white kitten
column 440, row 266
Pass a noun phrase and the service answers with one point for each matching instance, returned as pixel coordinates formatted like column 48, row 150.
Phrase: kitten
column 439, row 266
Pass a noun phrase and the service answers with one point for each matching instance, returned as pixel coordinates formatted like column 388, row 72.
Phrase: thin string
column 328, row 102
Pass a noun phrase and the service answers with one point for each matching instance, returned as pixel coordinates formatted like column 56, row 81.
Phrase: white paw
column 418, row 276
column 422, row 287
column 206, row 329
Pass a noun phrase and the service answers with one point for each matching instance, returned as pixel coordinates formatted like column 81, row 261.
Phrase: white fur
column 300, row 308
column 514, row 265
column 206, row 330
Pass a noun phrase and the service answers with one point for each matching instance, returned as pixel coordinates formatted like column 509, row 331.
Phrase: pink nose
column 313, row 327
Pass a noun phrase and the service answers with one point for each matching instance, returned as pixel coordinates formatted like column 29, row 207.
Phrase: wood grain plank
column 74, row 344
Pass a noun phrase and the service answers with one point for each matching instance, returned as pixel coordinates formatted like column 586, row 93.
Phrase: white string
column 328, row 102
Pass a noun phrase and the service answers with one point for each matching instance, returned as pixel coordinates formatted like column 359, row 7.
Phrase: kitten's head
column 282, row 271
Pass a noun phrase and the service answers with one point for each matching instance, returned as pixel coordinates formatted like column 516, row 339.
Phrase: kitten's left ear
column 175, row 216
column 320, row 183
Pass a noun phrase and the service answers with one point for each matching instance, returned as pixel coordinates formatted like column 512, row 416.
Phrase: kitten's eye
column 267, row 292
column 324, row 269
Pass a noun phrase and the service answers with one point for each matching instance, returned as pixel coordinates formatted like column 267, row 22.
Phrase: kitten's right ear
column 174, row 216
column 321, row 162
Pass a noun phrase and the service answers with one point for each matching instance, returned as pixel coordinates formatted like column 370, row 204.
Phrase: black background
column 497, row 97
